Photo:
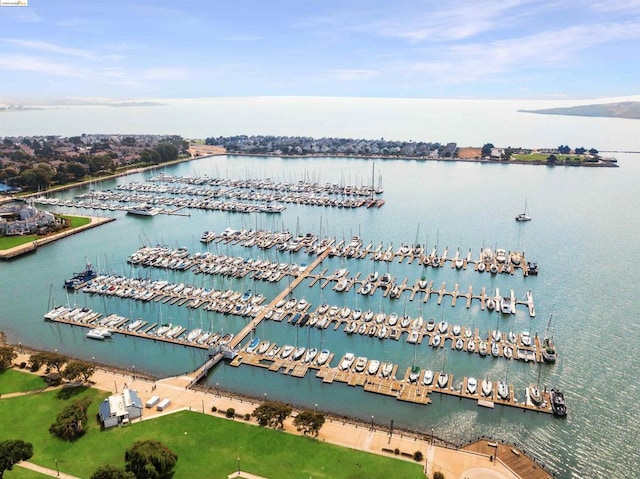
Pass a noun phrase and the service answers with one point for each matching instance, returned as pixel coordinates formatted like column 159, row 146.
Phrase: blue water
column 583, row 234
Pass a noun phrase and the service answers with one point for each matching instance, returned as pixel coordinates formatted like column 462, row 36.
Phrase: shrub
column 417, row 456
column 247, row 416
column 438, row 475
column 23, row 365
column 231, row 412
column 214, row 409
column 396, row 451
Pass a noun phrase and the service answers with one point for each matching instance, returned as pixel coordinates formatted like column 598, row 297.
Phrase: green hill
column 626, row 109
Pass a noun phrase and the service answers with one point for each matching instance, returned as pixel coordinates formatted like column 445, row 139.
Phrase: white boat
column 193, row 334
column 524, row 216
column 431, row 324
column 374, row 365
column 503, row 390
column 487, row 388
column 95, row 334
column 443, row 327
column 164, row 329
column 456, row 330
column 361, row 363
column 413, row 337
column 501, row 255
column 56, row 313
column 471, row 346
column 427, row 379
column 435, row 342
column 382, row 332
column 253, row 345
column 310, row 356
column 298, row 353
column 143, row 209
column 393, row 319
column 443, row 380
column 507, row 351
column 286, row 351
column 472, row 385
column 414, row 374
column 263, row 346
column 387, row 368
column 506, row 307
column 417, row 323
column 350, row 327
column 347, row 361
column 525, row 338
column 534, row 394
column 323, row 357
column 459, row 344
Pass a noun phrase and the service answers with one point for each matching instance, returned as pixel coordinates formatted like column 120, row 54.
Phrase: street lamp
column 217, row 390
column 316, row 408
column 57, row 470
column 134, row 372
column 238, row 466
column 372, row 423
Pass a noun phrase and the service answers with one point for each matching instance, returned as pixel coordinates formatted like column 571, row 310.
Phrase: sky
column 150, row 49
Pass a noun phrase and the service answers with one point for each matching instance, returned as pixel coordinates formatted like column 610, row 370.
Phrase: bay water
column 583, row 234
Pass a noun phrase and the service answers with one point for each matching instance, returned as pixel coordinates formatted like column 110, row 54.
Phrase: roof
column 118, row 404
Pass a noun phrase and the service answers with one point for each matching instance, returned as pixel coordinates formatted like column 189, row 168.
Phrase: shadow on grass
column 70, row 391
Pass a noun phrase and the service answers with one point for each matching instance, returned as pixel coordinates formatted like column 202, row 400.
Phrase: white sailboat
column 524, row 216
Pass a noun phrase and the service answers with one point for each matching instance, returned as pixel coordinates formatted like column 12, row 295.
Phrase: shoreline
column 472, row 459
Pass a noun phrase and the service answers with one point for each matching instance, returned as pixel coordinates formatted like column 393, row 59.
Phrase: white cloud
column 555, row 49
column 631, row 6
column 48, row 47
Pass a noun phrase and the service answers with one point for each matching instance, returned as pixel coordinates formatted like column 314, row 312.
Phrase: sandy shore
column 453, row 463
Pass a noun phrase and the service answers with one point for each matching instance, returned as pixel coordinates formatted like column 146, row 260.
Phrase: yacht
column 323, row 357
column 374, row 365
column 503, row 390
column 534, row 394
column 558, row 404
column 143, row 209
column 427, row 380
column 361, row 363
column 524, row 216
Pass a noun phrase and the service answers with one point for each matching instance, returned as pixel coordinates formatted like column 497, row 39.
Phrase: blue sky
column 219, row 48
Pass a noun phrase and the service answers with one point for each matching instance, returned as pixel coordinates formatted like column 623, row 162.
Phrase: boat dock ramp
column 404, row 389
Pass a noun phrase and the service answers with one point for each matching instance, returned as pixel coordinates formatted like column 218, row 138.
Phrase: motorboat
column 374, row 365
column 427, row 379
column 380, row 317
column 323, row 357
column 496, row 335
column 512, row 338
column 443, row 380
column 503, row 390
column 459, row 344
column 372, row 277
column 387, row 368
column 362, row 329
column 487, row 388
column 495, row 350
column 95, row 334
column 413, row 337
column 467, row 332
column 472, row 385
column 435, row 342
column 347, row 361
column 393, row 319
column 345, row 312
column 507, row 351
column 482, row 348
column 356, row 314
column 534, row 394
column 506, row 306
column 417, row 323
column 405, row 321
column 350, row 327
column 558, row 404
column 361, row 363
column 382, row 332
column 456, row 330
column 491, row 304
column 501, row 255
column 368, row 316
column 341, row 285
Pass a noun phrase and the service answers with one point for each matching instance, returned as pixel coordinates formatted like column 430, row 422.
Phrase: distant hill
column 625, row 109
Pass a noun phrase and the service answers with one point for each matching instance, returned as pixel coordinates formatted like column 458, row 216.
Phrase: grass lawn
column 76, row 221
column 206, row 446
column 12, row 381
column 534, row 157
column 22, row 473
column 7, row 242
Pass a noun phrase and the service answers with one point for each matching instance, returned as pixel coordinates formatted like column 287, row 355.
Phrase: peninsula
column 625, row 109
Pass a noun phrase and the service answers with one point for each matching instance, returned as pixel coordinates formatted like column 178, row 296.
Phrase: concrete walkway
column 45, row 470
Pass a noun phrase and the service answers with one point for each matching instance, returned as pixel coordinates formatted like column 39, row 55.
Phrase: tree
column 309, row 422
column 51, row 360
column 486, row 149
column 111, row 472
column 78, row 369
column 12, row 452
column 551, row 160
column 72, row 422
column 564, row 149
column 272, row 414
column 7, row 355
column 150, row 460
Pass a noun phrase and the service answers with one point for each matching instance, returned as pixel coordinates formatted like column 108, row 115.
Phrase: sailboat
column 524, row 216
column 549, row 353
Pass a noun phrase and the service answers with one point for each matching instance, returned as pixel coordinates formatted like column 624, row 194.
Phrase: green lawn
column 22, row 473
column 76, row 221
column 12, row 381
column 533, row 157
column 206, row 446
column 7, row 242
